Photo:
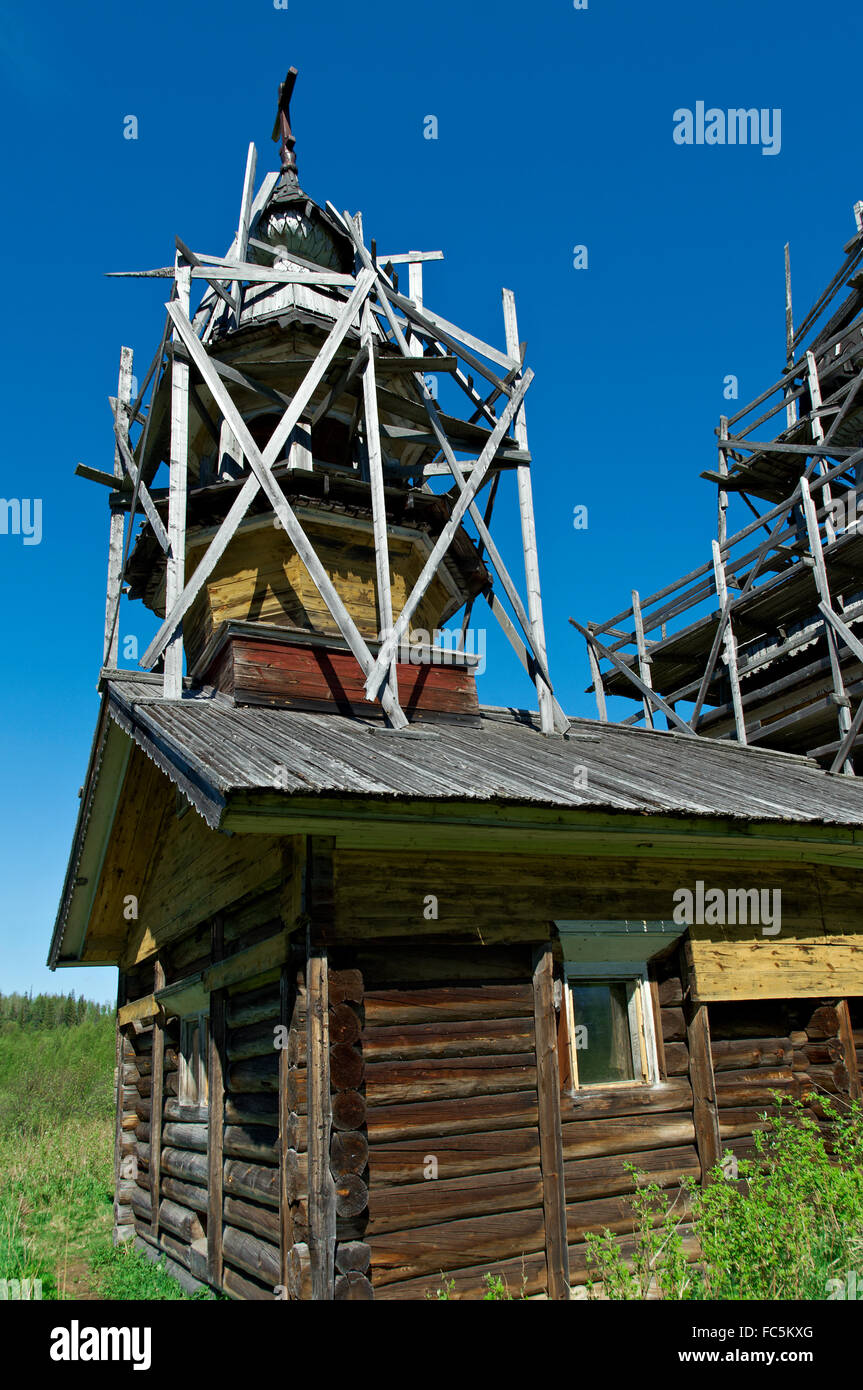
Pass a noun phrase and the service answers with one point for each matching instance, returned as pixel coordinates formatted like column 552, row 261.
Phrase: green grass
column 56, row 1167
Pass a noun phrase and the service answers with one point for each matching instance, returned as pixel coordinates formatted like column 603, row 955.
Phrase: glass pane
column 603, row 1040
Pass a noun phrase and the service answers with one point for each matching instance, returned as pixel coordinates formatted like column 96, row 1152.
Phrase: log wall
column 455, row 1184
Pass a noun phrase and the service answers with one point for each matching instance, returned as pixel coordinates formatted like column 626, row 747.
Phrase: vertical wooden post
column 322, row 1189
column 376, row 471
column 722, row 496
column 846, row 1037
column 598, row 687
column 528, row 529
column 818, row 436
column 118, row 1112
column 791, row 413
column 118, row 518
column 156, row 1101
column 176, row 572
column 216, row 1114
column 820, row 572
column 705, row 1111
column 415, row 290
column 292, row 907
column 730, row 644
column 643, row 656
column 550, row 1136
column 322, row 1196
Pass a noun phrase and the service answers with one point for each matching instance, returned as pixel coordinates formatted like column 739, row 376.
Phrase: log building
column 404, row 979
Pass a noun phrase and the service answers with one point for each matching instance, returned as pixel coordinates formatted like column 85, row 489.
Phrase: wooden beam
column 376, row 481
column 560, row 720
column 729, row 643
column 119, row 1059
column 241, row 240
column 262, row 477
column 823, row 587
column 216, row 1115
column 179, row 476
column 705, row 1110
column 139, row 1010
column 596, row 677
column 452, row 335
column 849, row 1050
column 528, row 527
column 646, row 691
column 446, row 537
column 643, row 656
column 322, row 1195
column 118, row 522
column 550, row 1133
column 156, row 1101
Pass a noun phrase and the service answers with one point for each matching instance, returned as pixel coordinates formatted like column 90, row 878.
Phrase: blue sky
column 555, row 130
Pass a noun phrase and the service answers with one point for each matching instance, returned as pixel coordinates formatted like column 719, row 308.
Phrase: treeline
column 37, row 1011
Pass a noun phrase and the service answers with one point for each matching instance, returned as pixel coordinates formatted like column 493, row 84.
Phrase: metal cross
column 282, row 127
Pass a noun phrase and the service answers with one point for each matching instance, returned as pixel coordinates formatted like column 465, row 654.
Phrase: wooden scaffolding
column 762, row 643
column 375, row 332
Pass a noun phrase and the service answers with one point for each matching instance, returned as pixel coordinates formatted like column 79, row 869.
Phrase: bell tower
column 290, row 497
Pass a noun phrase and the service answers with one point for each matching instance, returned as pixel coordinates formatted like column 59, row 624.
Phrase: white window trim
column 641, row 1028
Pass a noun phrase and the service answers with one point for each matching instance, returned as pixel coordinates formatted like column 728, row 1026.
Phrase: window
column 609, row 1019
column 194, row 1039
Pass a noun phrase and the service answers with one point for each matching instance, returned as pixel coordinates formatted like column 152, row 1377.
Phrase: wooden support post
column 596, row 676
column 550, row 1134
column 705, row 1111
column 241, row 241
column 722, row 499
column 415, row 290
column 322, row 1190
column 376, row 480
column 791, row 408
column 117, row 528
column 730, row 644
column 156, row 1102
column 818, row 435
column 292, row 911
column 528, row 526
column 322, row 1195
column 849, row 1051
column 823, row 587
column 176, row 571
column 643, row 657
column 216, row 1114
column 118, row 1100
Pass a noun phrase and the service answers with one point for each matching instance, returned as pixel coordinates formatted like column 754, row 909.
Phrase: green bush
column 788, row 1223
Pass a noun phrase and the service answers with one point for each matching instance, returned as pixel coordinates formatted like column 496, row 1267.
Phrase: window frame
column 640, row 1017
column 193, row 1081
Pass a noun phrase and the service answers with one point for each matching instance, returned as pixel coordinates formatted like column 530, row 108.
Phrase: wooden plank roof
column 212, row 749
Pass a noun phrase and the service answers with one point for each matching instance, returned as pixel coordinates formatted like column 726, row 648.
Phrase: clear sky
column 555, row 130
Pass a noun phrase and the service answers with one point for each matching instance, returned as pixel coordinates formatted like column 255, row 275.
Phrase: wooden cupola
column 304, row 551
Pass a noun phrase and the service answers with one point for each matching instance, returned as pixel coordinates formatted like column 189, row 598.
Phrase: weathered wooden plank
column 441, row 1078
column 456, row 1155
column 400, row 1208
column 322, row 1198
column 550, row 1142
column 216, row 1123
column 407, row 1254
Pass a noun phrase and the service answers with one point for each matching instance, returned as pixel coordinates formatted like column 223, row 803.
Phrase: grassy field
column 56, row 1165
